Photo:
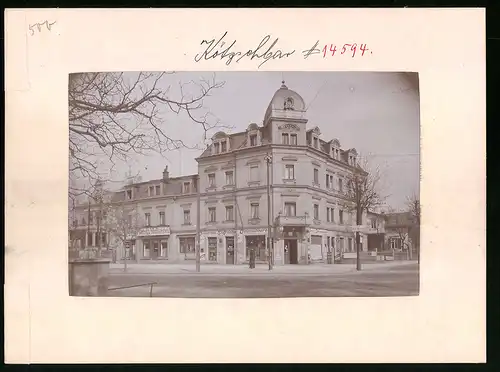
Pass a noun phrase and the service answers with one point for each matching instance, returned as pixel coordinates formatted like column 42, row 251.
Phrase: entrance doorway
column 230, row 250
column 155, row 253
column 291, row 251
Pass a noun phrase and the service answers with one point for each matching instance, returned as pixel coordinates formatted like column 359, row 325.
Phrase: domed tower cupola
column 285, row 117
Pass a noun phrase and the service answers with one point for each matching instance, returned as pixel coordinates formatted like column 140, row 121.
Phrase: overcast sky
column 376, row 113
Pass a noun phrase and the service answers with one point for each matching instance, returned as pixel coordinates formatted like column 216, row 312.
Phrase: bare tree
column 402, row 230
column 113, row 115
column 363, row 193
column 72, row 232
column 401, row 223
column 413, row 205
column 102, row 200
column 123, row 223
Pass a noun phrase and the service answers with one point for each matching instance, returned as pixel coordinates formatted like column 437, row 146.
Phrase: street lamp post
column 269, row 159
column 198, row 221
column 307, row 245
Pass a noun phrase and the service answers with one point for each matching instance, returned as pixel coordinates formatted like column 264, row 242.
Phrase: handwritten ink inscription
column 40, row 27
column 264, row 52
column 330, row 50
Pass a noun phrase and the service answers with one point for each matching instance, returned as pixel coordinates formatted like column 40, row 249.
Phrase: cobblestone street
column 384, row 280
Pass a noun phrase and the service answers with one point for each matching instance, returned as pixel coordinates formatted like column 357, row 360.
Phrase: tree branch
column 114, row 115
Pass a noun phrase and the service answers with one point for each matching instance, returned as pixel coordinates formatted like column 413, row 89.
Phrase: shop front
column 292, row 237
column 212, row 249
column 230, row 250
column 187, row 247
column 221, row 247
column 257, row 243
column 154, row 242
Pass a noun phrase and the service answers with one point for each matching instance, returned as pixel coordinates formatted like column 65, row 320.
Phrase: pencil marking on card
column 40, row 27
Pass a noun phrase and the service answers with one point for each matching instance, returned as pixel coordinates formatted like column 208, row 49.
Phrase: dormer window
column 352, row 160
column 253, row 135
column 128, row 194
column 335, row 153
column 154, row 190
column 220, row 143
column 352, row 157
column 335, row 149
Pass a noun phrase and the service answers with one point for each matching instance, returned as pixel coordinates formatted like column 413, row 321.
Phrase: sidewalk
column 260, row 269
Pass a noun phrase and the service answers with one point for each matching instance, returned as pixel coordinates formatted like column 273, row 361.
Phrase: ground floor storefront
column 295, row 245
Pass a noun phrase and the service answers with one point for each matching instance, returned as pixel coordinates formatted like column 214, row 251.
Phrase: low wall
column 88, row 277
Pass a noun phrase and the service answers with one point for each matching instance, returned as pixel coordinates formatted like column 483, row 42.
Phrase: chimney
column 165, row 174
column 195, row 182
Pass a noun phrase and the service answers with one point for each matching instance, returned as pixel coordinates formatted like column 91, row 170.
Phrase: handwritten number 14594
column 331, row 50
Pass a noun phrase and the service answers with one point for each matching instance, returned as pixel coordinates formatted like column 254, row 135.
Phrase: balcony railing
column 294, row 220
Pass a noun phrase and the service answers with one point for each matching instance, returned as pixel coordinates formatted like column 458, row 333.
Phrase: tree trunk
column 124, row 257
column 358, row 242
column 98, row 235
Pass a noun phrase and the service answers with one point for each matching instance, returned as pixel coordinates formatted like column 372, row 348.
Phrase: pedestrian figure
column 252, row 258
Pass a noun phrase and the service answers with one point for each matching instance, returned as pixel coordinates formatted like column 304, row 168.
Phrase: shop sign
column 154, row 231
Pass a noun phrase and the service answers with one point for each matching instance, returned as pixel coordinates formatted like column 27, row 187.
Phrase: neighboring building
column 88, row 223
column 375, row 231
column 308, row 203
column 400, row 231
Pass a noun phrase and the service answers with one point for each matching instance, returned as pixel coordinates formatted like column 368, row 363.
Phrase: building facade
column 375, row 231
column 276, row 185
column 402, row 233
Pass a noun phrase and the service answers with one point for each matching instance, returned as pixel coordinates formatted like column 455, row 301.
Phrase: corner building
column 308, row 212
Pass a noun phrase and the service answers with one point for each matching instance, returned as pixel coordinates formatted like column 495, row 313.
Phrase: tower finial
column 283, row 80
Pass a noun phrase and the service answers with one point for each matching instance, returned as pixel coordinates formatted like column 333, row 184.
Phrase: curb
column 323, row 272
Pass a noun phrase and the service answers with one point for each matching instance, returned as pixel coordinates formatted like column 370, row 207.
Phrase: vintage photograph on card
column 244, row 184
